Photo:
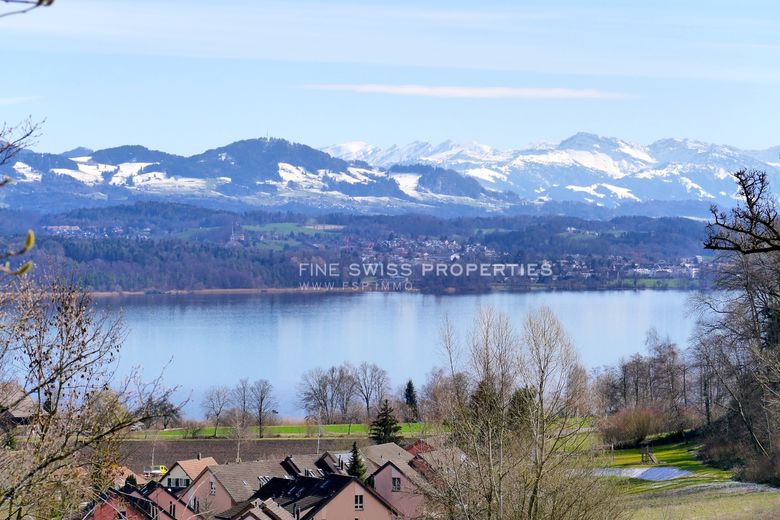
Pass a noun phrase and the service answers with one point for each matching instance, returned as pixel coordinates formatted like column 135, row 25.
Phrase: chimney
column 199, row 455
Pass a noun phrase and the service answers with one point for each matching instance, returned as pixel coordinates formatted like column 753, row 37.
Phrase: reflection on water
column 217, row 339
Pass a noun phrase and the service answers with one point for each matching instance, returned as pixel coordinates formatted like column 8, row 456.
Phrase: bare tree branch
column 28, row 5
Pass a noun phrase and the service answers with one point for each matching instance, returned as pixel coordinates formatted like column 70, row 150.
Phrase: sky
column 188, row 75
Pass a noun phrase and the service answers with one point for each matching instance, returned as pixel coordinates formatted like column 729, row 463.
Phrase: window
column 396, row 483
column 186, row 482
column 358, row 502
column 213, row 490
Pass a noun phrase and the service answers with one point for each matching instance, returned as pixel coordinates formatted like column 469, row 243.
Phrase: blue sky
column 187, row 75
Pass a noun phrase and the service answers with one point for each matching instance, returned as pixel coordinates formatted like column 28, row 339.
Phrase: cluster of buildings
column 300, row 487
column 416, row 249
column 617, row 268
column 96, row 232
column 568, row 270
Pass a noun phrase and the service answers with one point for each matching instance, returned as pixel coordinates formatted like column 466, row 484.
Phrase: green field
column 716, row 503
column 707, row 493
column 283, row 228
column 298, row 431
column 679, row 455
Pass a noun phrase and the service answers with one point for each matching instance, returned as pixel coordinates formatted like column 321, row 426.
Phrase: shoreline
column 224, row 292
column 351, row 290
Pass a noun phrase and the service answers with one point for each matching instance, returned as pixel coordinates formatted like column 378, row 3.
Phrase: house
column 256, row 510
column 393, row 478
column 332, row 497
column 399, row 486
column 124, row 503
column 420, row 446
column 445, row 459
column 312, row 465
column 183, row 472
column 167, row 501
column 375, row 456
column 122, row 473
column 16, row 406
column 220, row 487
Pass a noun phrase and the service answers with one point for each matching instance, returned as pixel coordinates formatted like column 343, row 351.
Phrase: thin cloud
column 16, row 100
column 468, row 92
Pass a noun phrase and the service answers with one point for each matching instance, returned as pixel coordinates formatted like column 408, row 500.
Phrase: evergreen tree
column 521, row 408
column 410, row 397
column 385, row 427
column 356, row 467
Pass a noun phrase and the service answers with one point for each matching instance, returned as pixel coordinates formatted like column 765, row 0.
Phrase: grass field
column 679, row 455
column 302, row 431
column 707, row 493
column 283, row 228
column 715, row 503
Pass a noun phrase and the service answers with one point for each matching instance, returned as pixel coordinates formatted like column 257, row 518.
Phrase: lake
column 217, row 339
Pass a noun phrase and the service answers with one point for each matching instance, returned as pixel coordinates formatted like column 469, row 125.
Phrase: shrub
column 631, row 425
column 191, row 428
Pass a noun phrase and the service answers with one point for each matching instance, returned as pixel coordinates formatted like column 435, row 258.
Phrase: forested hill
column 161, row 247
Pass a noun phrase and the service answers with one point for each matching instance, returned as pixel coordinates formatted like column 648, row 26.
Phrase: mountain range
column 584, row 175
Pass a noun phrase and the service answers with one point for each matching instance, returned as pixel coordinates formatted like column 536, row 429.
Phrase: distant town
column 417, row 253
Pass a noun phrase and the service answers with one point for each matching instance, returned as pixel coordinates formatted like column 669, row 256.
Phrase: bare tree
column 215, row 403
column 315, row 394
column 343, row 383
column 578, row 395
column 62, row 354
column 262, row 402
column 239, row 430
column 515, row 449
column 12, row 140
column 371, row 384
column 23, row 6
column 191, row 428
column 440, row 388
column 749, row 228
column 240, row 398
column 327, row 394
column 738, row 336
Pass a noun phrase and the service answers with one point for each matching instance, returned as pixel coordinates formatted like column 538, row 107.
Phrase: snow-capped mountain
column 581, row 174
column 251, row 173
column 588, row 168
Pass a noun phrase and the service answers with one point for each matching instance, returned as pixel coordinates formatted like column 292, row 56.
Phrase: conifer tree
column 410, row 397
column 356, row 467
column 385, row 427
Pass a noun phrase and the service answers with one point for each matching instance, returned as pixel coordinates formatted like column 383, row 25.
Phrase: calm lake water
column 213, row 340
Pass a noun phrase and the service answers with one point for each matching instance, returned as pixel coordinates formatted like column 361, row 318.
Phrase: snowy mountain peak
column 472, row 177
column 668, row 169
column 352, row 150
